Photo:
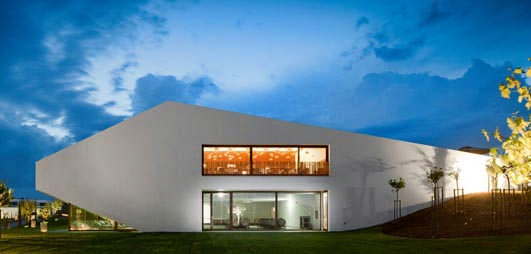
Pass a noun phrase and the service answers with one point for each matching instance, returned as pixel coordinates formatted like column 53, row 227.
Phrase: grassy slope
column 362, row 241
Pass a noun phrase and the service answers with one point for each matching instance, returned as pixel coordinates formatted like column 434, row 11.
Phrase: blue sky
column 420, row 71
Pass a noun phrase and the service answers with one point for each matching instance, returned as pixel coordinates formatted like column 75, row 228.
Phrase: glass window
column 226, row 160
column 206, row 211
column 275, row 160
column 84, row 220
column 265, row 210
column 325, row 210
column 220, row 211
column 265, row 160
column 313, row 161
column 300, row 211
column 253, row 210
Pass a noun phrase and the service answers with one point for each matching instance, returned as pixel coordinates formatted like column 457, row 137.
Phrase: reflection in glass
column 206, row 211
column 325, row 211
column 275, row 160
column 82, row 219
column 220, row 210
column 253, row 210
column 226, row 160
column 301, row 211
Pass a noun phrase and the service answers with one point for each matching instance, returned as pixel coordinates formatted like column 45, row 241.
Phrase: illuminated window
column 265, row 160
column 313, row 161
column 275, row 160
column 265, row 210
column 226, row 160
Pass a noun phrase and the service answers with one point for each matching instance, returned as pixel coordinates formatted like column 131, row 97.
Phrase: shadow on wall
column 361, row 201
column 361, row 208
column 425, row 163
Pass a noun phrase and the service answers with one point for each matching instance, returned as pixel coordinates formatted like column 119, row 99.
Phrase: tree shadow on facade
column 425, row 163
column 361, row 201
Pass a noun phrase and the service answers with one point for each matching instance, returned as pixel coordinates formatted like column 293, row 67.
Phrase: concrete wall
column 146, row 171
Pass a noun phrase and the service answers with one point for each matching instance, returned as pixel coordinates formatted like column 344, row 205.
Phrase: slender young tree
column 434, row 175
column 397, row 185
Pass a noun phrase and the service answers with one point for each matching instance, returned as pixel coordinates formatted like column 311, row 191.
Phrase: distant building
column 11, row 211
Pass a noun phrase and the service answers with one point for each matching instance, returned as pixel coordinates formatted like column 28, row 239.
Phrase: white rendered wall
column 146, row 171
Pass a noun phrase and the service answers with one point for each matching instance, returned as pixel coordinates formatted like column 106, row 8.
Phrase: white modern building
column 180, row 167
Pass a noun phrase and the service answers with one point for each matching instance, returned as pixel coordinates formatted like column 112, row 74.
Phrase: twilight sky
column 423, row 71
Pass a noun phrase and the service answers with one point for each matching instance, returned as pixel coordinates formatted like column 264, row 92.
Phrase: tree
column 397, row 185
column 46, row 213
column 27, row 207
column 55, row 206
column 6, row 194
column 513, row 157
column 434, row 175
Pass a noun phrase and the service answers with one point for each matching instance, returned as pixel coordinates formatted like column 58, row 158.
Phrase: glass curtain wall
column 253, row 210
column 242, row 210
column 301, row 211
column 81, row 219
column 207, row 219
column 220, row 211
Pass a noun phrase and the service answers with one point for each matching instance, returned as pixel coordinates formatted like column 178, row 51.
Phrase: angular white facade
column 146, row 172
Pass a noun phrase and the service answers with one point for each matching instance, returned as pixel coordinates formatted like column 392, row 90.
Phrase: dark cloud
column 362, row 21
column 21, row 147
column 117, row 74
column 416, row 107
column 152, row 90
column 45, row 49
column 434, row 15
column 398, row 53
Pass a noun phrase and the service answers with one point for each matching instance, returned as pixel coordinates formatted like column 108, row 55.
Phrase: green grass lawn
column 58, row 240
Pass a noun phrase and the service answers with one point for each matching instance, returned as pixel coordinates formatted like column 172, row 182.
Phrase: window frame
column 323, row 225
column 252, row 170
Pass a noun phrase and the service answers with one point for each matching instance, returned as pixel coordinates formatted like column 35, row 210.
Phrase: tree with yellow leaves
column 513, row 158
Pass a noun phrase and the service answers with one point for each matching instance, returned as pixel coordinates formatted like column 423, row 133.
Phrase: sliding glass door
column 265, row 210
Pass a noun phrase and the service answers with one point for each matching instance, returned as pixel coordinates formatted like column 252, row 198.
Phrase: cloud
column 43, row 104
column 362, row 21
column 152, row 90
column 21, row 147
column 434, row 15
column 416, row 107
column 399, row 52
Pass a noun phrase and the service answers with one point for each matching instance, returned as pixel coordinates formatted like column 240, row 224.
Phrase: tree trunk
column 508, row 181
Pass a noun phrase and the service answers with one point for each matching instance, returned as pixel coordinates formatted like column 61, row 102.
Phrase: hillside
column 476, row 221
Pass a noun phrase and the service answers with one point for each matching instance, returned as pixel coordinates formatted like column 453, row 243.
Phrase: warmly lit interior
column 265, row 160
column 265, row 211
column 227, row 160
